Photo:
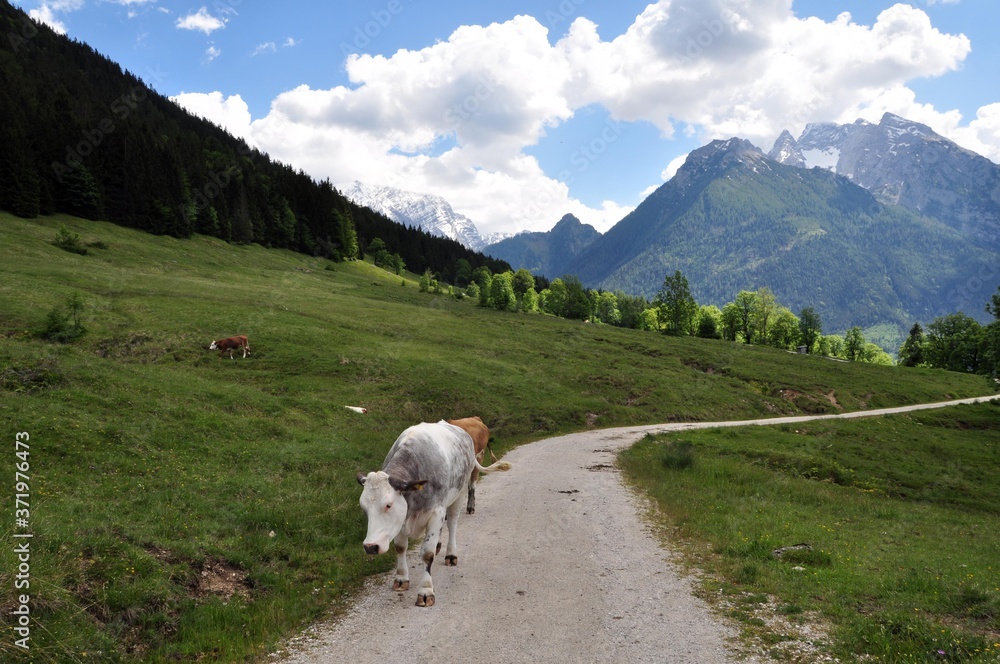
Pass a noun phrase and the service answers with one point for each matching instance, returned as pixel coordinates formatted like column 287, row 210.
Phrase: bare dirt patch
column 222, row 580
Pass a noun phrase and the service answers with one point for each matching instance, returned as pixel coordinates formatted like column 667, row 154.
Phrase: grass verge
column 898, row 518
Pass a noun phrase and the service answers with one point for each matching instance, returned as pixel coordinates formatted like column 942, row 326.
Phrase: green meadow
column 901, row 515
column 187, row 507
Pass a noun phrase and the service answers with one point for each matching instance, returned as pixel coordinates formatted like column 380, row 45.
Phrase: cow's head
column 214, row 346
column 383, row 500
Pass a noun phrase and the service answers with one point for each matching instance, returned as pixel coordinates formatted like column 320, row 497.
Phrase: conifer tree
column 911, row 353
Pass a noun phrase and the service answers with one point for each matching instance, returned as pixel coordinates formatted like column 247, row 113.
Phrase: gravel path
column 556, row 565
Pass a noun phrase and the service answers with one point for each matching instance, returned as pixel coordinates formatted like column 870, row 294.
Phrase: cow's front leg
column 425, row 595
column 402, row 580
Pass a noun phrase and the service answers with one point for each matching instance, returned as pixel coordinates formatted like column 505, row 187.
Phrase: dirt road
column 556, row 565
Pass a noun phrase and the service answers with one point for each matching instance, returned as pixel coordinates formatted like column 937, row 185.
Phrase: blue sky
column 518, row 111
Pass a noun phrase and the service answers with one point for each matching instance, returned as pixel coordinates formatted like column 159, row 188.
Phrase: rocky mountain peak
column 567, row 221
column 716, row 157
column 786, row 150
column 906, row 163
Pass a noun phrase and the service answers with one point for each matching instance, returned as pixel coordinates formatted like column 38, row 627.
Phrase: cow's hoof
column 451, row 561
column 425, row 600
column 401, row 586
column 470, row 510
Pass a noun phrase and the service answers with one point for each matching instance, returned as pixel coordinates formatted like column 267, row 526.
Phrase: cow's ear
column 361, row 478
column 400, row 485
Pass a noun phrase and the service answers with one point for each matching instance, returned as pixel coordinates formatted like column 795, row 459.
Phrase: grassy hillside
column 185, row 506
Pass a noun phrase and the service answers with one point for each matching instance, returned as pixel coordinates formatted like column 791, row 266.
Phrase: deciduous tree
column 677, row 308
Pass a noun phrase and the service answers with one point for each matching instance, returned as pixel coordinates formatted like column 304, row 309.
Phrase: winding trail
column 556, row 565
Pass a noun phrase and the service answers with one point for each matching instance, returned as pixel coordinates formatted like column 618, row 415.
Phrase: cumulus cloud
column 730, row 68
column 47, row 11
column 456, row 117
column 45, row 14
column 231, row 113
column 201, row 21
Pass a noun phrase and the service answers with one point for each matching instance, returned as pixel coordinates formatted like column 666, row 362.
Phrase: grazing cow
column 231, row 344
column 481, row 438
column 420, row 486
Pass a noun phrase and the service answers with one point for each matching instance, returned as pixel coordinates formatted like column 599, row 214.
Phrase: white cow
column 421, row 484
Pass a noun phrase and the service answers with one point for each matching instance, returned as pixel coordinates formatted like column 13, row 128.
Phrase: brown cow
column 481, row 437
column 231, row 344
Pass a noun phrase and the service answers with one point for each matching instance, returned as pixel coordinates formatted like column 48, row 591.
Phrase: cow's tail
column 498, row 466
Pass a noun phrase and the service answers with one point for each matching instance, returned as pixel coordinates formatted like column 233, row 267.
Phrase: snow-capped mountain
column 908, row 164
column 431, row 213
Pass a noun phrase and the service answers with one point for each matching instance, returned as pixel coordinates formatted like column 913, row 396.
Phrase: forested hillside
column 81, row 136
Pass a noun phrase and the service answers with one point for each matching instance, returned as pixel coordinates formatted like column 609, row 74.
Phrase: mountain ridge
column 733, row 219
column 431, row 213
column 545, row 253
column 906, row 163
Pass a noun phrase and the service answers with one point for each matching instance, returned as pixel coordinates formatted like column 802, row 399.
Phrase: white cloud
column 290, row 42
column 266, row 47
column 733, row 70
column 455, row 118
column 211, row 53
column 671, row 169
column 46, row 12
column 202, row 21
column 231, row 113
column 132, row 5
column 983, row 133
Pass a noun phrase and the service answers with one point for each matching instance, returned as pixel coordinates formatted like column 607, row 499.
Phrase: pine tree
column 911, row 353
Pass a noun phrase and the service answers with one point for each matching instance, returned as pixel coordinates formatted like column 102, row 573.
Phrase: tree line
column 955, row 342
